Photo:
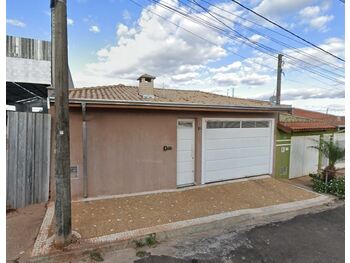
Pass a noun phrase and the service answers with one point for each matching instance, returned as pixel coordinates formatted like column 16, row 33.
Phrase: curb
column 202, row 224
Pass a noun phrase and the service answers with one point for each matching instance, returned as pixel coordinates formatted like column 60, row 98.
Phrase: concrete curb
column 123, row 239
column 43, row 242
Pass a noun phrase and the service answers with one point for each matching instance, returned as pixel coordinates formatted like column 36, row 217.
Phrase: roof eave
column 284, row 108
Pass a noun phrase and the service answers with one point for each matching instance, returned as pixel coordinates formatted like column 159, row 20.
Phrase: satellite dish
column 273, row 99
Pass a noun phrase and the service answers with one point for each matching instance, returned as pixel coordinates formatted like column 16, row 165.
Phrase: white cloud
column 333, row 45
column 308, row 93
column 256, row 38
column 156, row 47
column 15, row 22
column 70, row 21
column 126, row 15
column 231, row 67
column 314, row 17
column 310, row 11
column 94, row 29
column 280, row 8
column 185, row 77
column 320, row 23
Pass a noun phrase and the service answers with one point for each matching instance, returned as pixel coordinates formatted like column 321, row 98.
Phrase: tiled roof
column 305, row 120
column 130, row 93
column 305, row 126
column 322, row 117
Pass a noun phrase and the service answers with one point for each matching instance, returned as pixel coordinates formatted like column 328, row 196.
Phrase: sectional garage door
column 236, row 148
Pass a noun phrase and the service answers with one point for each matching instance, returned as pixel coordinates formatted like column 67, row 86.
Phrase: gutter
column 131, row 103
column 85, row 178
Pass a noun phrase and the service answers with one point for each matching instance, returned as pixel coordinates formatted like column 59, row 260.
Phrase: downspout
column 85, row 178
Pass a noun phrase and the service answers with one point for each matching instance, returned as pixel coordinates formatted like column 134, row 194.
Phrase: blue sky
column 113, row 41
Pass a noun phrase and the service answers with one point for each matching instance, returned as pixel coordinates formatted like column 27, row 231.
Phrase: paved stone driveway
column 108, row 216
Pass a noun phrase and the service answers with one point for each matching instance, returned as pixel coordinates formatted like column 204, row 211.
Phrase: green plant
column 151, row 240
column 139, row 243
column 334, row 153
column 142, row 253
column 335, row 186
column 96, row 256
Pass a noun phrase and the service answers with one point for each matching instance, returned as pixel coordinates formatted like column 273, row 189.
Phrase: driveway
column 96, row 218
column 307, row 238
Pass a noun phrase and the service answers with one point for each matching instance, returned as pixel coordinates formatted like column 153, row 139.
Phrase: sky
column 115, row 41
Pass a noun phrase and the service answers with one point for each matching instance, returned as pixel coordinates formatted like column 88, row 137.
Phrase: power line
column 266, row 47
column 215, row 28
column 328, row 63
column 290, row 32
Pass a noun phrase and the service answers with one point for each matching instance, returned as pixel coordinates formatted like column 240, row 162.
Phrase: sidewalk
column 107, row 216
column 120, row 220
column 22, row 227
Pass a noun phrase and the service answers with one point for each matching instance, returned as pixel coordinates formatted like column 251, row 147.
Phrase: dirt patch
column 22, row 227
column 304, row 181
column 108, row 216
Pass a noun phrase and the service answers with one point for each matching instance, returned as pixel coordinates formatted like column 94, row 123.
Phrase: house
column 297, row 133
column 28, row 73
column 137, row 139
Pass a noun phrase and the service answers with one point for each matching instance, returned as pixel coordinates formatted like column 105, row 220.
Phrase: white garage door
column 235, row 148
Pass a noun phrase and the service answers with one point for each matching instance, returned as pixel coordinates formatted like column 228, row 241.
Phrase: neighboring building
column 28, row 73
column 297, row 133
column 144, row 138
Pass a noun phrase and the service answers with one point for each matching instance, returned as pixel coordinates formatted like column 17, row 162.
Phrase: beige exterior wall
column 125, row 148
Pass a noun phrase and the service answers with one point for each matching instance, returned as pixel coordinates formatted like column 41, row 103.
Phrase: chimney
column 146, row 85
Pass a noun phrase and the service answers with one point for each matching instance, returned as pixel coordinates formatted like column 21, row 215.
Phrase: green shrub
column 151, row 240
column 336, row 186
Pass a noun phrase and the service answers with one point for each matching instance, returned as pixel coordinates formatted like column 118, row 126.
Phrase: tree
column 334, row 153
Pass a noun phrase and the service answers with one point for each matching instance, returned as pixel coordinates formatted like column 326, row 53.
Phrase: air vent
column 74, row 171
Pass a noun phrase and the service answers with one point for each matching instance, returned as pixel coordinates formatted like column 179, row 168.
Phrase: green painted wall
column 283, row 147
column 283, row 141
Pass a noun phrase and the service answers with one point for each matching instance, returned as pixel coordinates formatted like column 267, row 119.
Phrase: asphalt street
column 306, row 238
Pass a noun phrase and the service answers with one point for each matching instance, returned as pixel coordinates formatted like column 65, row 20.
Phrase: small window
column 262, row 124
column 215, row 124
column 187, row 124
column 248, row 124
column 232, row 124
column 223, row 124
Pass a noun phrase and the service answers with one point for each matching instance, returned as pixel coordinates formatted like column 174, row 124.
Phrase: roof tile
column 130, row 93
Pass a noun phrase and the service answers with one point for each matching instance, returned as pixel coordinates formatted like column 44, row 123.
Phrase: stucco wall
column 125, row 149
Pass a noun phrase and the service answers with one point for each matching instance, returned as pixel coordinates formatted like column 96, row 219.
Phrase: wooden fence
column 28, row 158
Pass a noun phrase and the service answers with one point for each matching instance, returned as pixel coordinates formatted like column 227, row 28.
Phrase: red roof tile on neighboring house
column 305, row 120
column 322, row 117
column 305, row 126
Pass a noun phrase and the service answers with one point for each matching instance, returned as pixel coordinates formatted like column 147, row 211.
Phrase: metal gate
column 28, row 158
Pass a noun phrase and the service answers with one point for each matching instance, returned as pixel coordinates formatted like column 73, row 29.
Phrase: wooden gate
column 28, row 158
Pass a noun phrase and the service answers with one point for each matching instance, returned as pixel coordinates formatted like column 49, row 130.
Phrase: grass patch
column 96, row 256
column 150, row 241
column 142, row 253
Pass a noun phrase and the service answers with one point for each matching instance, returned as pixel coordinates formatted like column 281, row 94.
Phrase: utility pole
column 59, row 73
column 279, row 73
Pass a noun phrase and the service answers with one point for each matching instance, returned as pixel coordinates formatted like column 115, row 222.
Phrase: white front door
column 185, row 152
column 303, row 157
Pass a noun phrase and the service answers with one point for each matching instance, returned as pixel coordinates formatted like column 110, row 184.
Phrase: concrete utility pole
column 59, row 62
column 279, row 73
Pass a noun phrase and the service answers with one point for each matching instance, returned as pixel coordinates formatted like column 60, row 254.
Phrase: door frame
column 193, row 120
column 272, row 141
